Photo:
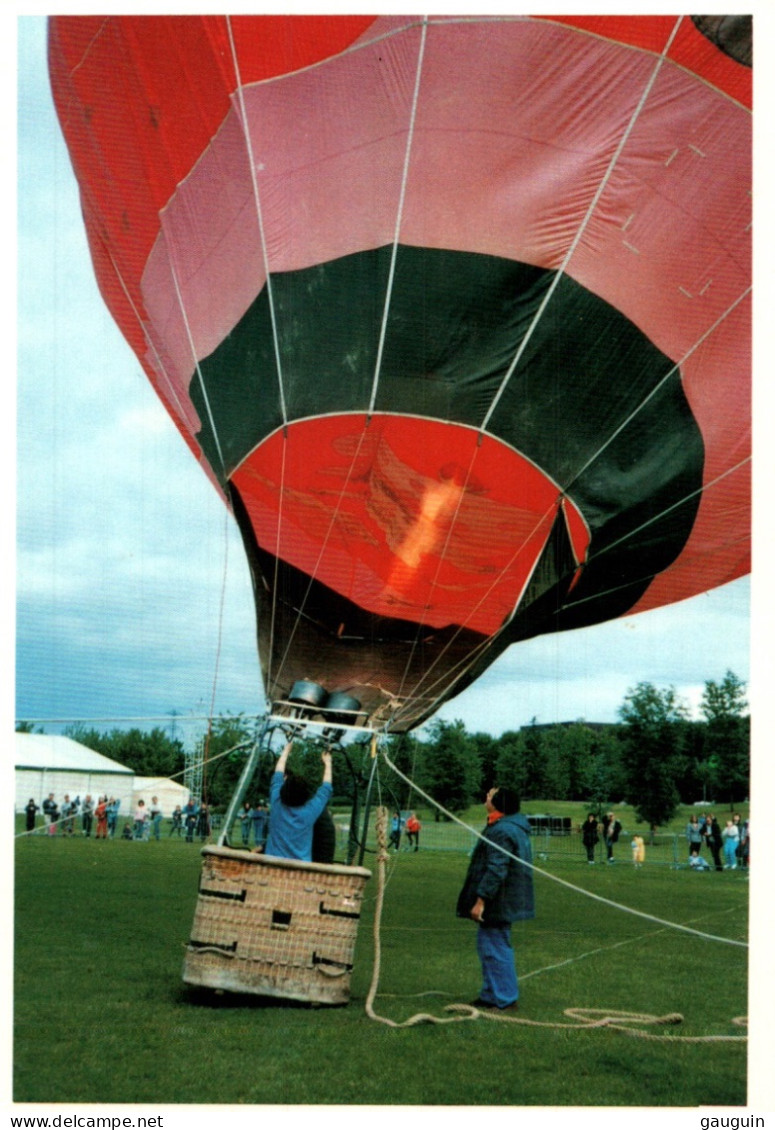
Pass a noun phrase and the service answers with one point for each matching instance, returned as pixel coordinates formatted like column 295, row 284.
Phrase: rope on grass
column 383, row 855
column 617, row 1019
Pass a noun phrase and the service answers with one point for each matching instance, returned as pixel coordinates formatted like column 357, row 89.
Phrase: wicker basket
column 275, row 927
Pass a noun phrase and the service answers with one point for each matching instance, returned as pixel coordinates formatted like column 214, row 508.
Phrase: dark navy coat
column 505, row 884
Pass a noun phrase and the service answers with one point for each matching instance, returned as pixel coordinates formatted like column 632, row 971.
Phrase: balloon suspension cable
column 605, row 179
column 399, row 215
column 219, row 645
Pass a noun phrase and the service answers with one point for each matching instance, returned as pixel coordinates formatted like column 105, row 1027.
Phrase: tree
column 567, row 752
column 557, row 771
column 535, row 762
column 223, row 762
column 652, row 751
column 693, row 782
column 450, row 767
column 487, row 750
column 511, row 768
column 727, row 736
column 149, row 753
column 404, row 752
column 604, row 779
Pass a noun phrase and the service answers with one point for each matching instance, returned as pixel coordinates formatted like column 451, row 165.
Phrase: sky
column 133, row 596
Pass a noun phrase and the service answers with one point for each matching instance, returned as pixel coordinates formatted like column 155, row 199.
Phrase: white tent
column 169, row 793
column 50, row 763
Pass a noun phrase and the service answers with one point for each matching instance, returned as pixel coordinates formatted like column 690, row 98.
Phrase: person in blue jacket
column 293, row 809
column 497, row 891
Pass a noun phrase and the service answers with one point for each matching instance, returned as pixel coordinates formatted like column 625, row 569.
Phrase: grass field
column 102, row 1015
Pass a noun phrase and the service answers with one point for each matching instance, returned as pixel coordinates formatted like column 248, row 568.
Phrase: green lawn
column 102, row 1015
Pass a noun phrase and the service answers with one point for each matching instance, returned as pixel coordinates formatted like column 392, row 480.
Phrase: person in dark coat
column 589, row 836
column 497, row 891
column 611, row 831
column 714, row 840
column 190, row 817
column 260, row 819
column 324, row 838
column 30, row 809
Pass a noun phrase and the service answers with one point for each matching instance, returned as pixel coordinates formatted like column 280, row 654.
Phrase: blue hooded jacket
column 504, row 883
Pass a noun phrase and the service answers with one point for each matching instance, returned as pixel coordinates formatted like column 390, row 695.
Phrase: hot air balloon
column 454, row 312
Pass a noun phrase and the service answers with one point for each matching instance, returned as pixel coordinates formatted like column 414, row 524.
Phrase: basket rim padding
column 277, row 862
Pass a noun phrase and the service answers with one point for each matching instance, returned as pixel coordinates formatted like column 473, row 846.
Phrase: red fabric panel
column 410, row 519
column 140, row 99
column 690, row 48
column 276, row 45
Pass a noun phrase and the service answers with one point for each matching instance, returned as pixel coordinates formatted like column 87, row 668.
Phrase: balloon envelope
column 454, row 312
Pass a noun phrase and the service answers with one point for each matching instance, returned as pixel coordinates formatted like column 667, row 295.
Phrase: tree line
column 655, row 757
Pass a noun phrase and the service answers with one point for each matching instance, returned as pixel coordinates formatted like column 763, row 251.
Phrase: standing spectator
column 738, row 823
column 101, row 812
column 156, row 816
column 611, row 831
column 589, row 836
column 413, row 826
column 51, row 814
column 638, row 850
column 176, row 824
column 141, row 819
column 113, row 807
column 694, row 836
column 395, row 831
column 745, row 843
column 498, row 890
column 30, row 810
column 259, row 816
column 731, row 838
column 87, row 815
column 714, row 840
column 244, row 820
column 68, row 816
column 203, row 822
column 190, row 813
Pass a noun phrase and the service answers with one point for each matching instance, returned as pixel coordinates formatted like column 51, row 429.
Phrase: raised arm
column 282, row 759
column 327, row 768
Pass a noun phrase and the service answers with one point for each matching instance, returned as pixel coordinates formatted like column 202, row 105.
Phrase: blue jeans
column 499, row 974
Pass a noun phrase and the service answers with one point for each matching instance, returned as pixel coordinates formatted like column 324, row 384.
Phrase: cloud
column 586, row 673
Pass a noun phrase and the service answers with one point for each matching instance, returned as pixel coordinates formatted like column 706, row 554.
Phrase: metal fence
column 550, row 842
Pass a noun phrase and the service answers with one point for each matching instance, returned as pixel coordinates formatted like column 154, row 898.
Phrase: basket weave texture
column 275, row 927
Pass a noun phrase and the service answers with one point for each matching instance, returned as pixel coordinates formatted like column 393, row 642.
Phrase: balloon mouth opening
column 410, row 519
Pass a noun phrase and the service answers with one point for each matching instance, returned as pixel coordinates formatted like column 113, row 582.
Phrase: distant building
column 169, row 793
column 51, row 763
